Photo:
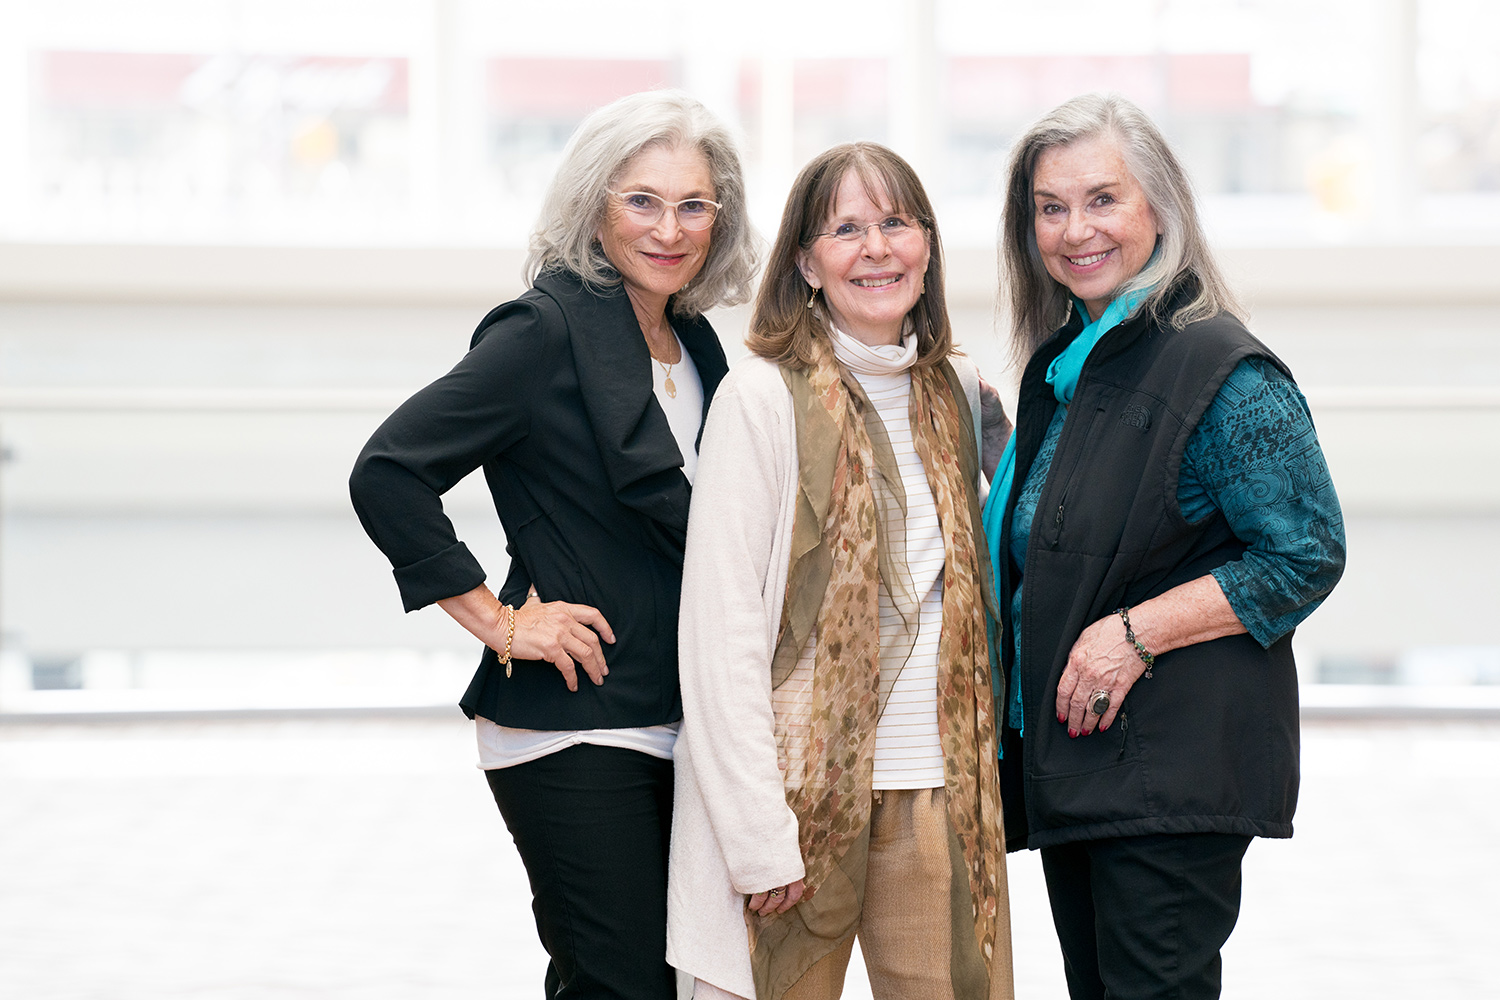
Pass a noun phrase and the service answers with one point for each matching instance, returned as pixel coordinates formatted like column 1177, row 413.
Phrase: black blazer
column 554, row 400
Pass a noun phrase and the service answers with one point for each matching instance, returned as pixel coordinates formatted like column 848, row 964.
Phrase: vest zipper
column 1069, row 434
column 1124, row 734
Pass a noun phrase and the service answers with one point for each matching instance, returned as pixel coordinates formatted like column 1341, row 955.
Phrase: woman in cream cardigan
column 835, row 769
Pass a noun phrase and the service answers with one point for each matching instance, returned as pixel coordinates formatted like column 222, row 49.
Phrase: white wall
column 181, row 422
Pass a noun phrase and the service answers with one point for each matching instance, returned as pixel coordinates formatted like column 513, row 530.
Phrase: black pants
column 1145, row 917
column 592, row 824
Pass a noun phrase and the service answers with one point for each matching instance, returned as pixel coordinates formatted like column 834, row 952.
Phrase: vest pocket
column 1113, row 792
column 1100, row 778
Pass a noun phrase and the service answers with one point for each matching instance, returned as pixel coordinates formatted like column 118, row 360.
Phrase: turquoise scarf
column 1062, row 376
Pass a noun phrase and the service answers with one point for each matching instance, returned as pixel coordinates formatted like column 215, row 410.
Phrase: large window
column 128, row 145
column 441, row 120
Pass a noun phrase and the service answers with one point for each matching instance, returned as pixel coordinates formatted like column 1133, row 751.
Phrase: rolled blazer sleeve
column 733, row 580
column 436, row 438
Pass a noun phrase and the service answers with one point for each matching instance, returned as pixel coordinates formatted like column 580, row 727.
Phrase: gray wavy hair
column 566, row 233
column 1039, row 304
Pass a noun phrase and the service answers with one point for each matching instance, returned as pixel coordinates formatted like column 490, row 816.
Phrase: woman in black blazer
column 582, row 400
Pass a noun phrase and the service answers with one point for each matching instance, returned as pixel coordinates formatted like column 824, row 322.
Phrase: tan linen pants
column 905, row 923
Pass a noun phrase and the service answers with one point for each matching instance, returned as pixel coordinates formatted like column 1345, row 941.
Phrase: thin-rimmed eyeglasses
column 892, row 227
column 647, row 209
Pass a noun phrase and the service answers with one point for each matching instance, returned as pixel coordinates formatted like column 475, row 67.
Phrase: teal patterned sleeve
column 1255, row 457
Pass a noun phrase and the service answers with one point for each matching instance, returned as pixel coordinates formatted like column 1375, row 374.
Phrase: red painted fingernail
column 1103, row 728
column 1086, row 732
column 1072, row 734
column 1061, row 717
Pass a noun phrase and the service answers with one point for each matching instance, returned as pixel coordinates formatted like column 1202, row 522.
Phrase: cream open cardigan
column 732, row 831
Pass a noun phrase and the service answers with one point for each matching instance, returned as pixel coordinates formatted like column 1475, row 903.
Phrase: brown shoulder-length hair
column 783, row 328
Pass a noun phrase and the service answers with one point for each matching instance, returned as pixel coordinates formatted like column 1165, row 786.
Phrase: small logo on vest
column 1136, row 415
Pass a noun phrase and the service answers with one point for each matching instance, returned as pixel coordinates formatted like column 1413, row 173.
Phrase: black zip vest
column 1209, row 744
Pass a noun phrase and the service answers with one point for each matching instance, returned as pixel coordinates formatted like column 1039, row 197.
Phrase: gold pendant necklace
column 666, row 369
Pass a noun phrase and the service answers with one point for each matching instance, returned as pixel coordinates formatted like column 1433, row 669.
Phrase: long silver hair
column 566, row 233
column 1039, row 304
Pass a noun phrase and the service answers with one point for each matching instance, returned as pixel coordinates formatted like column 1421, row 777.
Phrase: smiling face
column 657, row 260
column 1094, row 227
column 868, row 285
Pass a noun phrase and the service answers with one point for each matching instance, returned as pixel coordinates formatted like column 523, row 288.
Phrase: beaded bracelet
column 510, row 634
column 1140, row 650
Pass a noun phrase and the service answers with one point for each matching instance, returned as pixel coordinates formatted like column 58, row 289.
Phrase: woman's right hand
column 562, row 634
column 994, row 427
column 777, row 900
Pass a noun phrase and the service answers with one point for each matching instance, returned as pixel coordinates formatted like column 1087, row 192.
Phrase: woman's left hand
column 777, row 900
column 1101, row 660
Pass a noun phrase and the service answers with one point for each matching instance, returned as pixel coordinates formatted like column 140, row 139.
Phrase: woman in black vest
column 582, row 401
column 1162, row 520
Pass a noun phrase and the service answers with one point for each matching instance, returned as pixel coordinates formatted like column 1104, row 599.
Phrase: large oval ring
column 1099, row 702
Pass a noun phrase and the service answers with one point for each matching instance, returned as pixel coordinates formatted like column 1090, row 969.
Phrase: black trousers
column 1145, row 917
column 593, row 824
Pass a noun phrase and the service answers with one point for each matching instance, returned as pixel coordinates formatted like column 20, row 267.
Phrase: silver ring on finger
column 1099, row 702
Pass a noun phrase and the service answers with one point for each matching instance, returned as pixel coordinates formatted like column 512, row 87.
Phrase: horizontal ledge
column 72, row 716
column 1335, row 700
column 1309, row 713
column 55, row 272
column 1400, row 713
column 335, row 505
column 250, row 400
column 259, row 275
column 1403, row 397
column 171, row 400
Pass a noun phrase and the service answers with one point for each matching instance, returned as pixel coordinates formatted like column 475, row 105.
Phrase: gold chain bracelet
column 510, row 635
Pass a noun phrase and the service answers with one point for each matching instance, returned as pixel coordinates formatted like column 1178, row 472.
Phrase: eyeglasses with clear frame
column 645, row 208
column 892, row 227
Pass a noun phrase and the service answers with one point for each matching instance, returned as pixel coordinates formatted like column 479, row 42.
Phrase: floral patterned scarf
column 839, row 559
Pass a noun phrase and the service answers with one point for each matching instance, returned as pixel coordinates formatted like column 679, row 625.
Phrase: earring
column 812, row 298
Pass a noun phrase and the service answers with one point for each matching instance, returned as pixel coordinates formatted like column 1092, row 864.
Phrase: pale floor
column 364, row 859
